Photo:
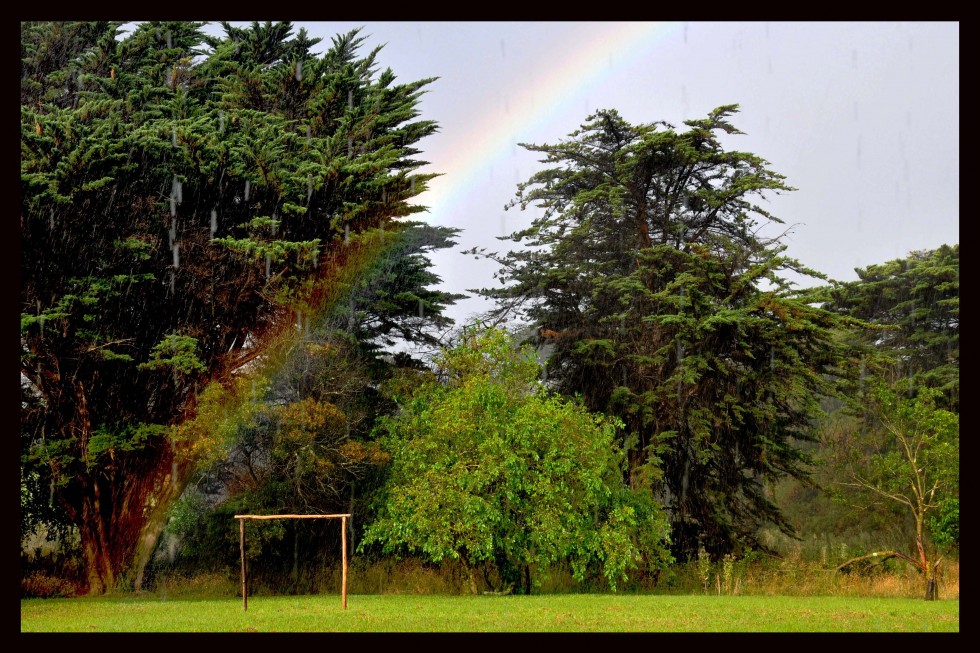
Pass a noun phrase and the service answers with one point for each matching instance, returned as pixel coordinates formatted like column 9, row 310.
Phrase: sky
column 861, row 117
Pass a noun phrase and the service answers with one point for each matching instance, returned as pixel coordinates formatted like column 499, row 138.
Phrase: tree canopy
column 916, row 301
column 219, row 261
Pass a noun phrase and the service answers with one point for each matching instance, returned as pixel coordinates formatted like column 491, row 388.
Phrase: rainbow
column 487, row 143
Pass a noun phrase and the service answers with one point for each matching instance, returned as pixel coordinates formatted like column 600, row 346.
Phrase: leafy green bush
column 490, row 469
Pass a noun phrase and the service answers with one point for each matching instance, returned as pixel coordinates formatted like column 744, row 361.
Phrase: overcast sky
column 861, row 117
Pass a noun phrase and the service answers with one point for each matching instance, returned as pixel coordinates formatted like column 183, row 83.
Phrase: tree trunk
column 123, row 513
column 99, row 572
column 928, row 567
column 473, row 587
column 171, row 487
column 932, row 586
column 118, row 499
column 91, row 504
column 100, row 540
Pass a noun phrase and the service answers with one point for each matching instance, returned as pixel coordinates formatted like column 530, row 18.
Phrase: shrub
column 39, row 585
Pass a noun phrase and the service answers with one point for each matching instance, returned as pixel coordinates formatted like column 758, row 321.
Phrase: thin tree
column 907, row 456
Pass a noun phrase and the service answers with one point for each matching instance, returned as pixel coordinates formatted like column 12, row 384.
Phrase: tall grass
column 791, row 576
column 805, row 567
column 802, row 578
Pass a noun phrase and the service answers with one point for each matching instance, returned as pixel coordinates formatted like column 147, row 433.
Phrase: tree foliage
column 393, row 299
column 666, row 308
column 490, row 469
column 181, row 195
column 917, row 301
column 304, row 443
column 305, row 448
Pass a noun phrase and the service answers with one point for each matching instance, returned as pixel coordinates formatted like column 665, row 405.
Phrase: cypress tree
column 182, row 197
column 664, row 307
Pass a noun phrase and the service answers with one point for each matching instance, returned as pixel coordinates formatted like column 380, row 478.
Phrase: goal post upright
column 241, row 531
column 343, row 548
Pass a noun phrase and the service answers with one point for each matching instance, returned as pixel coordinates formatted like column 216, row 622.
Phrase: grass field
column 545, row 613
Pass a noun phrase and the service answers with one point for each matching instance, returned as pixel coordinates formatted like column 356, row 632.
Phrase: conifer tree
column 916, row 302
column 665, row 307
column 183, row 197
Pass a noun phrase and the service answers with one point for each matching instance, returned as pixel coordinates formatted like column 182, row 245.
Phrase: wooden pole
column 343, row 541
column 343, row 549
column 241, row 530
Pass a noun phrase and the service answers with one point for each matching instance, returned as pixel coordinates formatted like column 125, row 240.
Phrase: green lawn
column 545, row 613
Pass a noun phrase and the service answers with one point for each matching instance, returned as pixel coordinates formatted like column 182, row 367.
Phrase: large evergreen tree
column 667, row 309
column 181, row 197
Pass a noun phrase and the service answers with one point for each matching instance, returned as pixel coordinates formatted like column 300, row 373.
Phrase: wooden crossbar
column 343, row 547
column 292, row 516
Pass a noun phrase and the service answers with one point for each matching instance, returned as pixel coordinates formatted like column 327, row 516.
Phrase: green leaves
column 914, row 301
column 111, row 441
column 489, row 467
column 176, row 352
column 905, row 455
column 944, row 527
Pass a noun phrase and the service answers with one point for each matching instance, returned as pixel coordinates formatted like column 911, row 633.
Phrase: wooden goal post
column 343, row 547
